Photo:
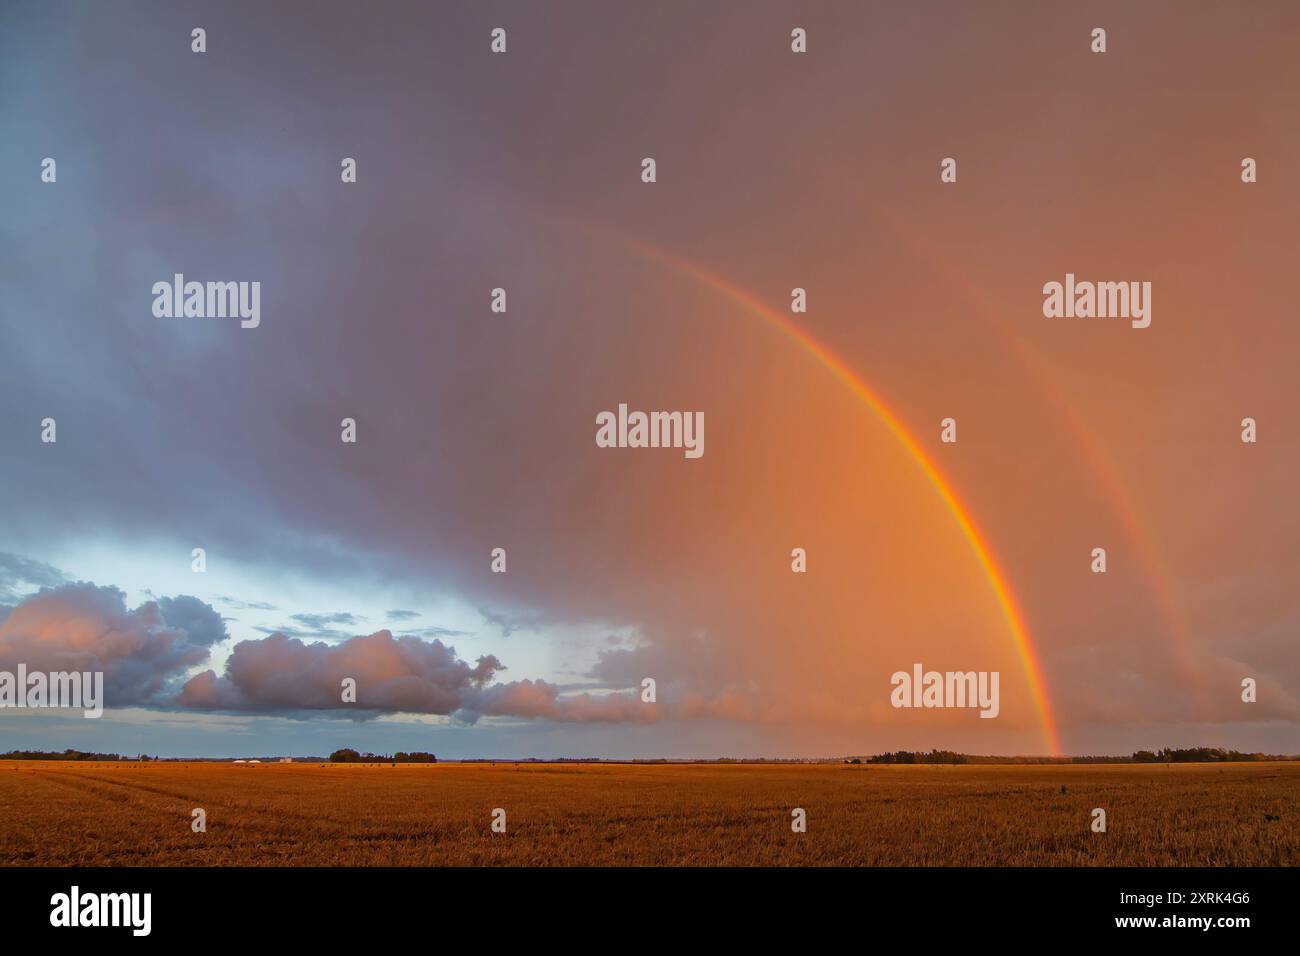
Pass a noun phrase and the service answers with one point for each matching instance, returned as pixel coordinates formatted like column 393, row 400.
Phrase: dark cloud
column 141, row 651
column 200, row 621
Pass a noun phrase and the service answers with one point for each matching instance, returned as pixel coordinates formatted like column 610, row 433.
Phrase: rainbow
column 977, row 540
column 1100, row 462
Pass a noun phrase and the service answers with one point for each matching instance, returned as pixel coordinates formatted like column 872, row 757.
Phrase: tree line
column 66, row 755
column 1198, row 755
column 348, row 755
column 1165, row 755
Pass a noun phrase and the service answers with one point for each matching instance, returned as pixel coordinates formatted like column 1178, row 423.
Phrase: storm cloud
column 475, row 430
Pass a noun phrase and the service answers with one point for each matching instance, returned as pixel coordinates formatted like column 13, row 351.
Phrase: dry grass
column 312, row 814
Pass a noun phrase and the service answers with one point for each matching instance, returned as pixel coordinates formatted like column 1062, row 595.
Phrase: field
column 60, row 813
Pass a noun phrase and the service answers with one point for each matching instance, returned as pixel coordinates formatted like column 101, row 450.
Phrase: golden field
column 64, row 813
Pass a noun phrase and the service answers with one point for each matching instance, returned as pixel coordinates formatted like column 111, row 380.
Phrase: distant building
column 286, row 760
column 241, row 761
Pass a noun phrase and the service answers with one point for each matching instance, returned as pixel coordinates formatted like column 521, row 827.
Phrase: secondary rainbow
column 997, row 579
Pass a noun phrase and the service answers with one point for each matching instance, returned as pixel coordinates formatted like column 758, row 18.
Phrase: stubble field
column 130, row 814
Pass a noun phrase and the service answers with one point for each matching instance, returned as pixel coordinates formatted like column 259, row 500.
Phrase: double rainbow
column 974, row 537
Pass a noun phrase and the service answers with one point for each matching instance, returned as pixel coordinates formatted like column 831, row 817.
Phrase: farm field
column 139, row 814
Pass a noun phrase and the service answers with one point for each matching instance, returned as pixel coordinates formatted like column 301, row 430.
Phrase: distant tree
column 348, row 755
column 65, row 755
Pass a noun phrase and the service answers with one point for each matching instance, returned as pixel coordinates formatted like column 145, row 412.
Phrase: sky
column 476, row 429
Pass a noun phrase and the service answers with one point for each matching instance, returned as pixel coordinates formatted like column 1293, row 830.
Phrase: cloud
column 199, row 620
column 508, row 623
column 322, row 621
column 540, row 699
column 237, row 604
column 318, row 625
column 431, row 631
column 20, row 576
column 145, row 653
column 142, row 652
column 443, row 632
column 281, row 674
